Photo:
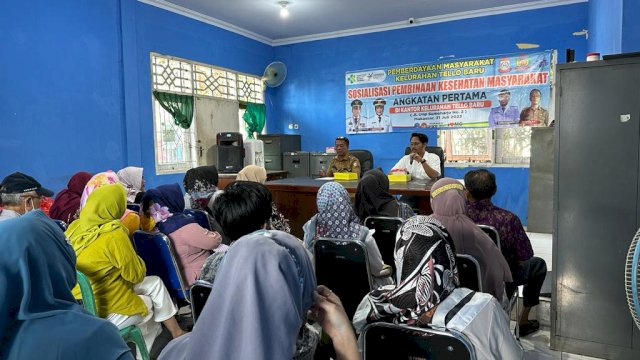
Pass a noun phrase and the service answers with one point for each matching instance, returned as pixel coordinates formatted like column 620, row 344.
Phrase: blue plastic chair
column 133, row 207
column 156, row 249
column 201, row 217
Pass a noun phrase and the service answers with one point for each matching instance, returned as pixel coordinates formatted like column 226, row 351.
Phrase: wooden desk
column 296, row 197
column 226, row 179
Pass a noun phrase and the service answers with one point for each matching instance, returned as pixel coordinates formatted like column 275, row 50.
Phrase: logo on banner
column 374, row 76
column 522, row 63
column 504, row 66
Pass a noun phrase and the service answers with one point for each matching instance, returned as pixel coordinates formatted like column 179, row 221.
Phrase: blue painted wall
column 61, row 89
column 605, row 27
column 313, row 93
column 76, row 88
column 631, row 26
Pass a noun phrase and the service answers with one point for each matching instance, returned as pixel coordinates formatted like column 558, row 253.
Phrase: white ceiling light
column 284, row 12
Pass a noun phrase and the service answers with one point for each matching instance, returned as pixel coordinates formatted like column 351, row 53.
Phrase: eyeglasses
column 415, row 143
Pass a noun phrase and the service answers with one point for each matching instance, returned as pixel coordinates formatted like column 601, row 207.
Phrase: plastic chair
column 393, row 341
column 433, row 150
column 156, row 249
column 469, row 272
column 201, row 218
column 130, row 334
column 133, row 207
column 385, row 236
column 493, row 234
column 342, row 266
column 366, row 160
column 200, row 291
column 512, row 291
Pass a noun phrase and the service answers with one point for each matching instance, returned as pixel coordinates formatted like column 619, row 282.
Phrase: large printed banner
column 496, row 91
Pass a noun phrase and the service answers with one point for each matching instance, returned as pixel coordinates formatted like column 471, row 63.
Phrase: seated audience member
column 427, row 294
column 268, row 278
column 130, row 219
column 39, row 318
column 200, row 184
column 449, row 205
column 419, row 163
column 20, row 193
column 259, row 174
column 526, row 269
column 67, row 202
column 343, row 161
column 373, row 198
column 242, row 208
column 192, row 242
column 123, row 294
column 337, row 220
column 133, row 181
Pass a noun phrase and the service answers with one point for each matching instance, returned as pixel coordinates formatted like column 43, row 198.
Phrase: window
column 485, row 145
column 176, row 149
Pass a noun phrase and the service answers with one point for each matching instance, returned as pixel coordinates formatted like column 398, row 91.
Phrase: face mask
column 25, row 205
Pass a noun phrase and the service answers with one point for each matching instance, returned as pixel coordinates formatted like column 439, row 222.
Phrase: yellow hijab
column 100, row 215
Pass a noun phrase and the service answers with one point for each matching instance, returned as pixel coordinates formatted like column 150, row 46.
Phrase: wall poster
column 491, row 91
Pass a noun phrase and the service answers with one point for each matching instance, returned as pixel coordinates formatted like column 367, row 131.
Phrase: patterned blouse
column 514, row 243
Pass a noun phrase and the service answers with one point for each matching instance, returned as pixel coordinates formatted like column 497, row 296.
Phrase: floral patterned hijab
column 336, row 218
column 98, row 180
column 427, row 274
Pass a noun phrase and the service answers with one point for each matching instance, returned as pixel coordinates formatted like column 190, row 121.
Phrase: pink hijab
column 98, row 180
column 448, row 202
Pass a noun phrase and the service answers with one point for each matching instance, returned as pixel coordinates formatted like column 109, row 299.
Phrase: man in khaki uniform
column 534, row 115
column 343, row 162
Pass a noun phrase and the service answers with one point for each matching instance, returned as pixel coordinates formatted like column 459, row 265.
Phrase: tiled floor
column 539, row 342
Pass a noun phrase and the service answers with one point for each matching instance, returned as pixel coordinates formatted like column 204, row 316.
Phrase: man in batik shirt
column 526, row 269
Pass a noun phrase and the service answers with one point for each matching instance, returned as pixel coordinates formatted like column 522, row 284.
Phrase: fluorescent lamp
column 284, row 12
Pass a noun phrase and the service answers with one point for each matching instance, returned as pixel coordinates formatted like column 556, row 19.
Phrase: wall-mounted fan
column 632, row 278
column 274, row 74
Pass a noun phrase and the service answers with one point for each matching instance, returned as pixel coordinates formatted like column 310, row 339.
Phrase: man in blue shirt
column 504, row 115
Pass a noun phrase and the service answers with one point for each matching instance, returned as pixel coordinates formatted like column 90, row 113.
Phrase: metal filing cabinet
column 296, row 164
column 596, row 206
column 275, row 145
column 318, row 162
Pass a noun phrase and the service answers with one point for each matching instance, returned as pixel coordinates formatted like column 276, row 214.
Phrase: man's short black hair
column 422, row 137
column 243, row 207
column 343, row 138
column 481, row 184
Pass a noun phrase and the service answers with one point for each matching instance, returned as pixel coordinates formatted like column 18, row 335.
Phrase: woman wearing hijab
column 259, row 174
column 123, row 294
column 268, row 277
column 133, row 181
column 193, row 243
column 426, row 294
column 200, row 184
column 67, row 202
column 129, row 219
column 337, row 220
column 38, row 271
column 373, row 198
column 449, row 205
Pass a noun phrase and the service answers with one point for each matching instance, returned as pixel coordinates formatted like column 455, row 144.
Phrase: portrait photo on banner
column 494, row 91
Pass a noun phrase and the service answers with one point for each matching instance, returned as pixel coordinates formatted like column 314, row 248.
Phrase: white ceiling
column 319, row 19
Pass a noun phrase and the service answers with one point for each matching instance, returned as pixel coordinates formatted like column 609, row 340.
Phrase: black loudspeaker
column 229, row 138
column 227, row 158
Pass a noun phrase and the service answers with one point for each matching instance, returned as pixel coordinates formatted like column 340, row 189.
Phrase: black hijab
column 373, row 197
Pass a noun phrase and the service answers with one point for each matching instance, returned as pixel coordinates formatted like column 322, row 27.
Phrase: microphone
column 411, row 159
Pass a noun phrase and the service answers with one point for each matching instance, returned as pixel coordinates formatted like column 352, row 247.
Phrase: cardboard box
column 399, row 177
column 345, row 176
